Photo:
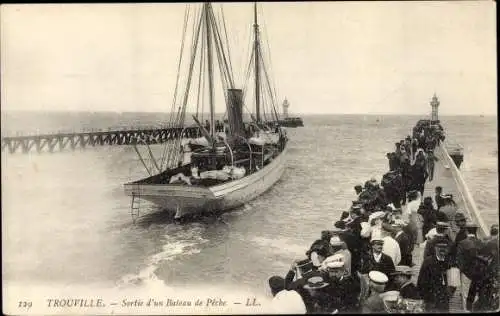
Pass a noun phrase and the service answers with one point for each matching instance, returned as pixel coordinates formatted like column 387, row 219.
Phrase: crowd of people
column 367, row 259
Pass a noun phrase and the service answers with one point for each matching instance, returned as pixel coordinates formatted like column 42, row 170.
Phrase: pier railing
column 470, row 207
column 469, row 203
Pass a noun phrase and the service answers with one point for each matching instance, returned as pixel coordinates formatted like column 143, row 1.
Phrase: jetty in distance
column 61, row 141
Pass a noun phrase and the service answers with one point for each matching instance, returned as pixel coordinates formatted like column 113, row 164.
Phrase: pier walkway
column 447, row 175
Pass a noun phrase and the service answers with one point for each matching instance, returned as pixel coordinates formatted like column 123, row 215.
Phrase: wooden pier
column 61, row 141
column 447, row 175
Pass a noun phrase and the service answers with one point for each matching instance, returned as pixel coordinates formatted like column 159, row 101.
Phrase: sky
column 326, row 57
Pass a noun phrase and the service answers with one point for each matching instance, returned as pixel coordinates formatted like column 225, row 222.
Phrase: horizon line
column 223, row 113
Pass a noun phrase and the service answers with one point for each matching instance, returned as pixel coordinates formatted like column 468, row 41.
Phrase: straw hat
column 390, row 296
column 315, row 283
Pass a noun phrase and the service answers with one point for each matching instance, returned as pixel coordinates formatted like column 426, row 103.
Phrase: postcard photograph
column 249, row 158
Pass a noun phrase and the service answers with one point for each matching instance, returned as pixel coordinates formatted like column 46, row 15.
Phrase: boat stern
column 181, row 199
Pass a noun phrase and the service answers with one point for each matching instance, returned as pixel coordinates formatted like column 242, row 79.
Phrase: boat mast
column 210, row 68
column 257, row 70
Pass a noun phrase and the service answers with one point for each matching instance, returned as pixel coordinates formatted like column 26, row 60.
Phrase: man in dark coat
column 467, row 250
column 343, row 289
column 489, row 290
column 352, row 237
column 374, row 303
column 405, row 244
column 402, row 281
column 429, row 215
column 460, row 221
column 432, row 281
column 438, row 198
column 375, row 260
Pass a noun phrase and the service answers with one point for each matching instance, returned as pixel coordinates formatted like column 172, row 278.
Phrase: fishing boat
column 218, row 171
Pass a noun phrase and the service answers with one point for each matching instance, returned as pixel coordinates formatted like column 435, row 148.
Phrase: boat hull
column 188, row 200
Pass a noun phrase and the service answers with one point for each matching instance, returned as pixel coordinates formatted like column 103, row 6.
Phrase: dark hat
column 315, row 282
column 305, row 266
column 340, row 225
column 387, row 227
column 276, row 283
column 412, row 193
column 326, row 234
column 459, row 217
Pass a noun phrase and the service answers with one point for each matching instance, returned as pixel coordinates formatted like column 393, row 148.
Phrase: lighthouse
column 434, row 105
column 286, row 105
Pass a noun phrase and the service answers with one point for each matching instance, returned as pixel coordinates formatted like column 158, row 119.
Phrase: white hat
column 288, row 302
column 336, row 241
column 333, row 262
column 398, row 222
column 378, row 277
column 378, row 214
column 390, row 296
column 431, row 233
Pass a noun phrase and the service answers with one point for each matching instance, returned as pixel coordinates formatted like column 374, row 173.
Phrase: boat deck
column 446, row 176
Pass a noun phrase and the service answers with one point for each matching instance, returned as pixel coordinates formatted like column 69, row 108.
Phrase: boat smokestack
column 235, row 112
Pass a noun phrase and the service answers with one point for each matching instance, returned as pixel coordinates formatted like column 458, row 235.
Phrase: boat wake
column 179, row 241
